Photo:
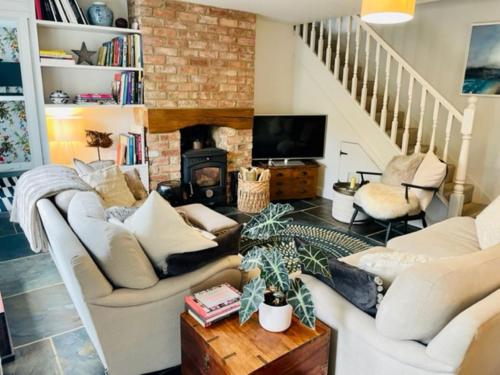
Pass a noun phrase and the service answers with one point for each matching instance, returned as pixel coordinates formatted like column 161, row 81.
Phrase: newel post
column 457, row 198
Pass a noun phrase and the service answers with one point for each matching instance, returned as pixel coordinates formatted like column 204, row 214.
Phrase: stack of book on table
column 56, row 57
column 214, row 304
column 67, row 11
column 91, row 98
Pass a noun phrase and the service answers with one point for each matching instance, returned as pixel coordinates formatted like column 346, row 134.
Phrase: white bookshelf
column 85, row 28
column 92, row 67
column 94, row 106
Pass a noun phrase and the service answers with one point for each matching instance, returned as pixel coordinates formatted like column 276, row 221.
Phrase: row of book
column 129, row 150
column 56, row 57
column 92, row 98
column 67, row 11
column 214, row 304
column 121, row 51
column 128, row 88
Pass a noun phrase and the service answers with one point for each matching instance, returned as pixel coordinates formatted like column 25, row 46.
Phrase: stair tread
column 468, row 191
column 473, row 209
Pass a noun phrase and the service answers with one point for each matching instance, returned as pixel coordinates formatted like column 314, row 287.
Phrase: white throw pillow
column 488, row 225
column 162, row 231
column 83, row 168
column 110, row 184
column 389, row 265
column 430, row 173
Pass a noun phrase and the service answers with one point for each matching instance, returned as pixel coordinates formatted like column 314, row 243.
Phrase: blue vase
column 99, row 14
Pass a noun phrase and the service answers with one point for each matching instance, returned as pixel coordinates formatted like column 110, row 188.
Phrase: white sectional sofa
column 134, row 331
column 440, row 317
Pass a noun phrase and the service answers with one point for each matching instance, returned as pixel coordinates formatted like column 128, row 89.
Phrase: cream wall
column 435, row 44
column 273, row 67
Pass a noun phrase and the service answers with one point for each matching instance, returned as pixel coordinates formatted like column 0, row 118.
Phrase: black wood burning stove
column 204, row 174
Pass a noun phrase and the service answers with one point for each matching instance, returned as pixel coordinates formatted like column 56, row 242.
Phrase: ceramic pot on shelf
column 275, row 318
column 99, row 14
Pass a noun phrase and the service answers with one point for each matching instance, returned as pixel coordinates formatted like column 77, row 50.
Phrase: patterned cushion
column 111, row 185
column 401, row 169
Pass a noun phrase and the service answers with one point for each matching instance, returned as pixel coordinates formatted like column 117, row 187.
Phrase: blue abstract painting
column 482, row 73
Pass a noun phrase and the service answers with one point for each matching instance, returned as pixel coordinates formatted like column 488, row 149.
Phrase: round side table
column 343, row 198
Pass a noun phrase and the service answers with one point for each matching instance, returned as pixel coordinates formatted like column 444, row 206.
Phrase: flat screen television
column 289, row 137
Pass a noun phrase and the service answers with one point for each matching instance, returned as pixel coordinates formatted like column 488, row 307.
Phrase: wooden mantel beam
column 165, row 120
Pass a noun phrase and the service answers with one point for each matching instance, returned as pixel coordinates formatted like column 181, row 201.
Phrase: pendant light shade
column 387, row 11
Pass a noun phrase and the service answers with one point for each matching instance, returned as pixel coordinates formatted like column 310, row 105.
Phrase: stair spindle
column 394, row 126
column 435, row 116
column 373, row 106
column 312, row 42
column 328, row 61
column 305, row 32
column 336, row 67
column 364, row 90
column 383, row 115
column 449, row 124
column 423, row 98
column 321, row 42
column 354, row 83
column 345, row 73
column 406, row 134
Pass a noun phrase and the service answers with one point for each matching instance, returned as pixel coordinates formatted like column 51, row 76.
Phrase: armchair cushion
column 401, row 169
column 383, row 202
column 488, row 225
column 430, row 173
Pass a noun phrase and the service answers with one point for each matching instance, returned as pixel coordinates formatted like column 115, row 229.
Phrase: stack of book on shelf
column 56, row 57
column 128, row 149
column 90, row 98
column 125, row 51
column 128, row 88
column 67, row 11
column 214, row 304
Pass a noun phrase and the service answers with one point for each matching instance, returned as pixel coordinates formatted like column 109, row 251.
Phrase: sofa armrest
column 193, row 281
column 470, row 340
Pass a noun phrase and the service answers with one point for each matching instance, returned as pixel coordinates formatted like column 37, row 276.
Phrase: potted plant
column 278, row 290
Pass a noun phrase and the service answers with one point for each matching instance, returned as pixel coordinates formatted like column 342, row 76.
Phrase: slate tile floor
column 47, row 333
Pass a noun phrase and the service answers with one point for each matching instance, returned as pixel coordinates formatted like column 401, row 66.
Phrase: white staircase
column 399, row 102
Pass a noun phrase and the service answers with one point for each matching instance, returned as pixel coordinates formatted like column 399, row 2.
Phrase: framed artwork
column 482, row 69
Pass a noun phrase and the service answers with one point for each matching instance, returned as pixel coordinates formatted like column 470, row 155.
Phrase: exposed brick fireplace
column 196, row 57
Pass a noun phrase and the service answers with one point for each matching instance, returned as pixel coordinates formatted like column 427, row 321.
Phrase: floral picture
column 14, row 137
column 10, row 68
column 482, row 72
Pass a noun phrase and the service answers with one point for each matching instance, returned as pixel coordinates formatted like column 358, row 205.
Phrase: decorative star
column 84, row 55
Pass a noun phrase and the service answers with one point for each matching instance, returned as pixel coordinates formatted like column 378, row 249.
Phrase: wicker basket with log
column 253, row 189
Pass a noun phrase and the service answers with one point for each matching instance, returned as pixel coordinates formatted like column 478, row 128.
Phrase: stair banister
column 406, row 134
column 328, row 60
column 345, row 73
column 354, row 82
column 364, row 90
column 373, row 104
column 457, row 197
column 336, row 65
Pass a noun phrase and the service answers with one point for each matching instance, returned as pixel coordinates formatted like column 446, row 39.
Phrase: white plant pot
column 275, row 318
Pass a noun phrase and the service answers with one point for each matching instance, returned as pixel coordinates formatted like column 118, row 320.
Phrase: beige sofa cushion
column 455, row 236
column 111, row 185
column 115, row 250
column 424, row 298
column 430, row 173
column 488, row 225
column 63, row 199
column 162, row 231
column 206, row 218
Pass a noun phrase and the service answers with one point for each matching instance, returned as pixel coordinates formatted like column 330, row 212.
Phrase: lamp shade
column 387, row 11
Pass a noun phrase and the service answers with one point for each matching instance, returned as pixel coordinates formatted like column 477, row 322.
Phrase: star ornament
column 84, row 55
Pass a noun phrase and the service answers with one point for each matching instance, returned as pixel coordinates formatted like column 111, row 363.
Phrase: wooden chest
column 294, row 182
column 228, row 348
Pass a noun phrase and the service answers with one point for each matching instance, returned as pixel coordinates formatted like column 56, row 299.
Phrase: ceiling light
column 387, row 11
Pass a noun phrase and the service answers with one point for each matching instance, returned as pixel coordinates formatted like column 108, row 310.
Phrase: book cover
column 61, row 12
column 53, row 9
column 118, row 153
column 131, row 150
column 56, row 62
column 123, row 140
column 138, row 147
column 38, row 10
column 76, row 11
column 204, row 323
column 205, row 313
column 69, row 11
column 82, row 13
column 218, row 296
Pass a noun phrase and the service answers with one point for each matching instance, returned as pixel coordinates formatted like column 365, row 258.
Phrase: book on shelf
column 127, row 88
column 56, row 62
column 93, row 98
column 124, row 51
column 66, row 11
column 128, row 150
column 56, row 58
column 214, row 304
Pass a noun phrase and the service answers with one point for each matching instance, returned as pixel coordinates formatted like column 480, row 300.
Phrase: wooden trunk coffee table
column 228, row 348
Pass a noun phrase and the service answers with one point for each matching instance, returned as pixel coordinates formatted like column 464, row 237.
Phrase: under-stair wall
column 389, row 107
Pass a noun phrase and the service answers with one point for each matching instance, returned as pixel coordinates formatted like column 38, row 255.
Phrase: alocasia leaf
column 301, row 300
column 269, row 222
column 314, row 260
column 252, row 297
column 274, row 270
column 252, row 259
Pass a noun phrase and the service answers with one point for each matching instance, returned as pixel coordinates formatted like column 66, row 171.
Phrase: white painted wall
column 435, row 44
column 273, row 67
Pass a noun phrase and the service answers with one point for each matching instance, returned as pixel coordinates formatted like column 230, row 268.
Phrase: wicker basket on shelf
column 253, row 189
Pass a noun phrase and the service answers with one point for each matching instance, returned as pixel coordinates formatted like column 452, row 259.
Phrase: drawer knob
column 279, row 174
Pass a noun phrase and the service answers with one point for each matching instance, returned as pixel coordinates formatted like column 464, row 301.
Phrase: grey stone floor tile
column 27, row 273
column 6, row 227
column 34, row 359
column 14, row 246
column 40, row 313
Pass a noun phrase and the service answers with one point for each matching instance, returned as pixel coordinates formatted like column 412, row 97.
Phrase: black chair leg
column 388, row 232
column 406, row 226
column 353, row 218
column 424, row 223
